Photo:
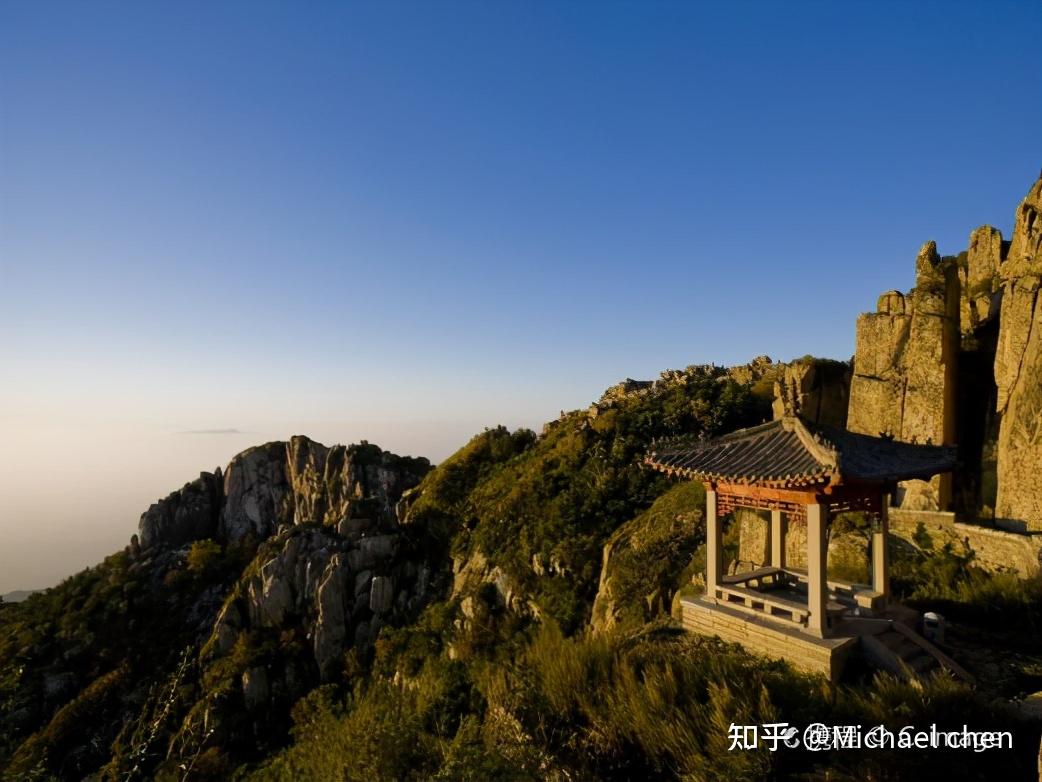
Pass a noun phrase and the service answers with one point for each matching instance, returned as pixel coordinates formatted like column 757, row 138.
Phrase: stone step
column 922, row 662
column 897, row 643
column 913, row 655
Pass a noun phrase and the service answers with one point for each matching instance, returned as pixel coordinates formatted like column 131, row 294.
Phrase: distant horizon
column 405, row 222
column 395, row 432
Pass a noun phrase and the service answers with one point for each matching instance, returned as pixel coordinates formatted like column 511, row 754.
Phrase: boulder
column 816, row 389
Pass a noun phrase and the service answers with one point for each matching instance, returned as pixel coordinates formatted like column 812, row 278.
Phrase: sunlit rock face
column 281, row 484
column 1018, row 370
column 958, row 360
column 328, row 567
column 905, row 369
column 816, row 389
column 980, row 280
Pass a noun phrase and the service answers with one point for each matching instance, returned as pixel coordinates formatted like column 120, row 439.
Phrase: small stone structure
column 802, row 474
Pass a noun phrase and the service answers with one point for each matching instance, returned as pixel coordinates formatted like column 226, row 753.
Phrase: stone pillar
column 778, row 525
column 880, row 554
column 817, row 568
column 714, row 547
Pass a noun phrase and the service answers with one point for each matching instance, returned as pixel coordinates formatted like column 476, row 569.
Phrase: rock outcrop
column 331, row 588
column 332, row 563
column 980, row 279
column 905, row 365
column 280, row 484
column 646, row 560
column 191, row 513
column 257, row 498
column 958, row 360
column 1018, row 371
column 816, row 389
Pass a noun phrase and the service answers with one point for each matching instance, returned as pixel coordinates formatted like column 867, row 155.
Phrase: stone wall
column 994, row 549
column 824, row 656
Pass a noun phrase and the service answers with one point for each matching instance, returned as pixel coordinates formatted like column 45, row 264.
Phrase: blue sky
column 371, row 220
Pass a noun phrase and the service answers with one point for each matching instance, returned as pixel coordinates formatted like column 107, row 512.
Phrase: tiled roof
column 789, row 452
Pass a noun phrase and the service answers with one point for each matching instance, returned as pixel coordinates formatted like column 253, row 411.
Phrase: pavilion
column 803, row 474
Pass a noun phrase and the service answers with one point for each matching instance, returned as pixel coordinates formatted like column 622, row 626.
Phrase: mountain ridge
column 507, row 611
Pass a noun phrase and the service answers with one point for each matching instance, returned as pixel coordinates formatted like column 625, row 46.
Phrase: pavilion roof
column 792, row 453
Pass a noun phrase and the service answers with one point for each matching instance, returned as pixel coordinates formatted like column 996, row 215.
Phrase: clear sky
column 406, row 221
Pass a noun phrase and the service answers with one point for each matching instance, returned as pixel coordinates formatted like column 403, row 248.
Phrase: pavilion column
column 714, row 549
column 778, row 529
column 817, row 568
column 880, row 554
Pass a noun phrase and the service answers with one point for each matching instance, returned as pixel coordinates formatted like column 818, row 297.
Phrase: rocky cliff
column 331, row 567
column 1018, row 370
column 278, row 485
column 958, row 360
column 904, row 368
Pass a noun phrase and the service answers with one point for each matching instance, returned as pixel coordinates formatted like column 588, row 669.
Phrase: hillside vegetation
column 532, row 638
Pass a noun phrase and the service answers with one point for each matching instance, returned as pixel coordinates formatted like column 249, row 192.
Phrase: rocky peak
column 905, row 362
column 279, row 485
column 257, row 497
column 928, row 267
column 979, row 278
column 958, row 360
column 1018, row 370
column 1025, row 249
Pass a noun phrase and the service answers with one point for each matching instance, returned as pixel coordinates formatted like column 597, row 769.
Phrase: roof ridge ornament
column 823, row 451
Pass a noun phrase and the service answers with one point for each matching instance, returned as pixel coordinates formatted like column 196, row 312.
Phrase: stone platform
column 761, row 635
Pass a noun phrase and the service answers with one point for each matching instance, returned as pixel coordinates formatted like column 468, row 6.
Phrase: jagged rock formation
column 332, row 565
column 335, row 588
column 979, row 278
column 278, row 485
column 328, row 569
column 814, row 388
column 191, row 513
column 1018, row 370
column 905, row 369
column 958, row 360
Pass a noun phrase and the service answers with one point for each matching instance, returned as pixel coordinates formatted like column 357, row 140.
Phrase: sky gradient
column 407, row 221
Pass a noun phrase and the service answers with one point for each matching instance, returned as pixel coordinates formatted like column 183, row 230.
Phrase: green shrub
column 204, row 557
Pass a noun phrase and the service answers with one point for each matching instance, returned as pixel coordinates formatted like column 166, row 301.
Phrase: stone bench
column 760, row 603
column 761, row 577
